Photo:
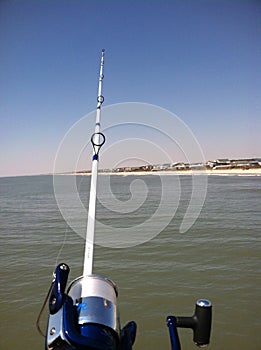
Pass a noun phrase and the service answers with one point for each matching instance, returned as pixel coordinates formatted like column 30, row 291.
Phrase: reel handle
column 200, row 323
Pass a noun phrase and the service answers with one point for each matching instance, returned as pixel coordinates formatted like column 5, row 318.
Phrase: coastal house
column 210, row 164
column 246, row 163
column 181, row 166
column 223, row 161
column 256, row 163
column 197, row 166
column 159, row 167
column 223, row 164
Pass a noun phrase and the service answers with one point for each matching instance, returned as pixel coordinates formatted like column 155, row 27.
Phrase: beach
column 220, row 172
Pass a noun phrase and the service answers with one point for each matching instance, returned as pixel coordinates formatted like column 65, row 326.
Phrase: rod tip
column 103, row 50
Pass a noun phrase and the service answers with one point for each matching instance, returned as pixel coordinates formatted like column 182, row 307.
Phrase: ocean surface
column 218, row 258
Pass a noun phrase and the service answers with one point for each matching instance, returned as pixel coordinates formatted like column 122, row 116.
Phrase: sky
column 200, row 60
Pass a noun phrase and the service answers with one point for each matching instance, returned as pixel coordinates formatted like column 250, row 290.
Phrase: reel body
column 86, row 317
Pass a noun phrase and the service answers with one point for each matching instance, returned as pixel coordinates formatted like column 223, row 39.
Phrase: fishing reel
column 200, row 323
column 86, row 317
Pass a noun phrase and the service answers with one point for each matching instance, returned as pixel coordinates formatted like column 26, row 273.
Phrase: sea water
column 218, row 258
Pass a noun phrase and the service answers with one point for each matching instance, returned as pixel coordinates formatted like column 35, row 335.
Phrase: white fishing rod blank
column 97, row 140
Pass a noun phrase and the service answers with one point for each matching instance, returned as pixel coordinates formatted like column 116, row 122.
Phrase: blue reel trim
column 88, row 336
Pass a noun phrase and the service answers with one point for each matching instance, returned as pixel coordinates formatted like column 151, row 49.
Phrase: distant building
column 222, row 161
column 197, row 166
column 210, row 164
column 224, row 164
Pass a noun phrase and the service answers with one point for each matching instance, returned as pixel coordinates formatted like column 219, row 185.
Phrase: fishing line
column 38, row 327
column 61, row 248
column 42, row 309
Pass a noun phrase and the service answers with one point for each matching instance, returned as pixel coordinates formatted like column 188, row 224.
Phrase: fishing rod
column 97, row 140
column 86, row 317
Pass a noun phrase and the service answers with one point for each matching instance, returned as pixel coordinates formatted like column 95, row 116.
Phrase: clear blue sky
column 199, row 59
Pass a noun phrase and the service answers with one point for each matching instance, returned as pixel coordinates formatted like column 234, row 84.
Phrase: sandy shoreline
column 227, row 172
